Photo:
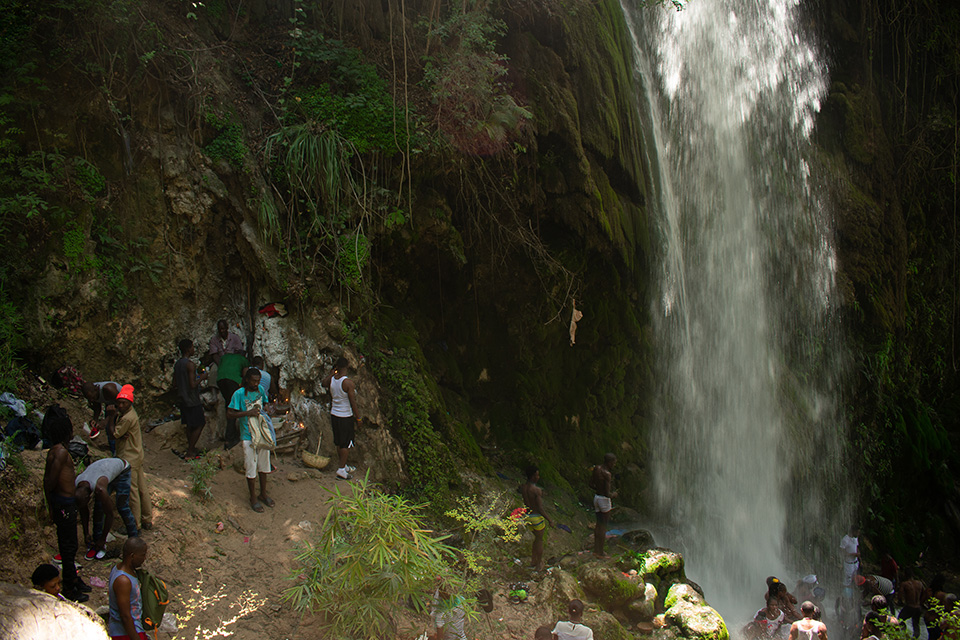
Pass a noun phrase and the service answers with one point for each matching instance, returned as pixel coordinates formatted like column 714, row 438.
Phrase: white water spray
column 746, row 445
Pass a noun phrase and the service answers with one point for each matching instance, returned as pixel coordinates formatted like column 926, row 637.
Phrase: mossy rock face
column 558, row 589
column 695, row 620
column 609, row 585
column 663, row 563
column 605, row 626
column 643, row 610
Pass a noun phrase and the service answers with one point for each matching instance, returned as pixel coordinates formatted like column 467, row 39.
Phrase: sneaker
column 350, row 469
column 94, row 554
column 76, row 596
column 343, row 474
column 94, row 432
column 57, row 560
column 83, row 587
column 91, row 554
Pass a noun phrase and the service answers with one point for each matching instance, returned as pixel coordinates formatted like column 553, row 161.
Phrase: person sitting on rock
column 573, row 629
column 100, row 479
column 876, row 623
column 807, row 627
column 46, row 578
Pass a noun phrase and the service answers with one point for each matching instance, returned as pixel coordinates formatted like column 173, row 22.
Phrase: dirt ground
column 226, row 566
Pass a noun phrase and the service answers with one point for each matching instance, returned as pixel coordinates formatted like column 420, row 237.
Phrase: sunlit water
column 746, row 441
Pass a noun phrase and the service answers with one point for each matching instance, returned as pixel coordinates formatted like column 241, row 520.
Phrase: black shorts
column 192, row 417
column 343, row 431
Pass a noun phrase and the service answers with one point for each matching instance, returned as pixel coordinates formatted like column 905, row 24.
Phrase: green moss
column 228, row 144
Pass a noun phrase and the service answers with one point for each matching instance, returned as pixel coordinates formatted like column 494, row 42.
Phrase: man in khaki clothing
column 125, row 427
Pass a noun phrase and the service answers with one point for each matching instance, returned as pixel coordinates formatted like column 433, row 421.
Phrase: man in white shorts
column 244, row 405
column 602, row 483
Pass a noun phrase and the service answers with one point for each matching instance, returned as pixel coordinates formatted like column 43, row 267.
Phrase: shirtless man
column 807, row 626
column 58, row 488
column 876, row 622
column 602, row 483
column 537, row 518
column 911, row 591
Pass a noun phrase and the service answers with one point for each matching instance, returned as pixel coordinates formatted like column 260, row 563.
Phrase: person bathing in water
column 807, row 627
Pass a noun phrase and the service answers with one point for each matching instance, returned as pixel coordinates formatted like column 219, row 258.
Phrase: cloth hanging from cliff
column 575, row 317
column 274, row 310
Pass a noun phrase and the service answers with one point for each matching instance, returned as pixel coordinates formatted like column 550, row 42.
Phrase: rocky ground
column 227, row 566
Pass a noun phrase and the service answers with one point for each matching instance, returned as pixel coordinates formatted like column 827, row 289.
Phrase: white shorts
column 602, row 504
column 255, row 460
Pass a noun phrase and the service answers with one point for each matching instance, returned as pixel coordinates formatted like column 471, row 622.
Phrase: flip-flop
column 268, row 501
column 179, row 454
column 256, row 506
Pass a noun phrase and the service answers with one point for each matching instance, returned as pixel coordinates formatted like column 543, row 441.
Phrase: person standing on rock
column 100, row 479
column 188, row 398
column 911, row 592
column 573, row 629
column 537, row 518
column 807, row 627
column 601, row 481
column 126, row 601
column 343, row 413
column 224, row 342
column 245, row 405
column 850, row 548
column 59, row 478
column 124, row 425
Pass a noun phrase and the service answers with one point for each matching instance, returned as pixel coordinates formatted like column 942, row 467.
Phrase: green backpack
column 154, row 598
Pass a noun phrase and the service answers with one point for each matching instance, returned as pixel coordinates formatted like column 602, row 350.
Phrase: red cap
column 126, row 393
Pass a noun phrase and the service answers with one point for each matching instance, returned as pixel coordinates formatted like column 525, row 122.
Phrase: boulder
column 645, row 608
column 663, row 563
column 609, row 586
column 624, row 514
column 693, row 618
column 639, row 540
column 27, row 614
column 605, row 626
column 558, row 589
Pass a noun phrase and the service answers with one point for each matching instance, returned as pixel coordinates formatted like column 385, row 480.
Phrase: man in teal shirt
column 245, row 405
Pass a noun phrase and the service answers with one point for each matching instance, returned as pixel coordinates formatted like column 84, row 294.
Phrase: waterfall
column 747, row 432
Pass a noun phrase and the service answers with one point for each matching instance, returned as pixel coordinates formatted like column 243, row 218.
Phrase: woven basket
column 315, row 461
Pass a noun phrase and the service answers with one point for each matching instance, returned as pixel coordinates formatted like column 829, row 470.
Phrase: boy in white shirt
column 574, row 629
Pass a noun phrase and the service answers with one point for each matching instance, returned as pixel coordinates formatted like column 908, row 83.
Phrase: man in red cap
column 124, row 426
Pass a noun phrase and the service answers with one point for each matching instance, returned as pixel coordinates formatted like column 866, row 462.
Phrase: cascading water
column 747, row 441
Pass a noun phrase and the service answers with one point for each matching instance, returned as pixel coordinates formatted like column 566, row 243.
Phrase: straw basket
column 315, row 461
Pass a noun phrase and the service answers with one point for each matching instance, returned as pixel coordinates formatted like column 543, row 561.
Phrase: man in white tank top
column 807, row 628
column 343, row 413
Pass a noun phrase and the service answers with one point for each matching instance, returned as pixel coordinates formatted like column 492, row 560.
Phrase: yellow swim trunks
column 536, row 522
